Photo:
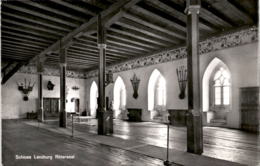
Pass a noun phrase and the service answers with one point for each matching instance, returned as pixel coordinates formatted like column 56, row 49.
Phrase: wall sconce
column 109, row 78
column 75, row 88
column 135, row 83
column 25, row 89
column 182, row 79
column 50, row 85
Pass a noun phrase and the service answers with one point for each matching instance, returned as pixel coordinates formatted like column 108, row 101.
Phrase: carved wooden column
column 63, row 64
column 194, row 120
column 101, row 78
column 40, row 98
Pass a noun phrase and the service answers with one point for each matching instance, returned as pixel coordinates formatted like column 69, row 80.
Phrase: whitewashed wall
column 242, row 62
column 13, row 105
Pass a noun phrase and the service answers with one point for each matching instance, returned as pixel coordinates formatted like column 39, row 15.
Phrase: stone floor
column 132, row 144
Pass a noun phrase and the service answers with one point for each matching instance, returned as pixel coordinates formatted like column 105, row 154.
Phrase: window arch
column 221, row 87
column 119, row 101
column 215, row 73
column 93, row 99
column 156, row 90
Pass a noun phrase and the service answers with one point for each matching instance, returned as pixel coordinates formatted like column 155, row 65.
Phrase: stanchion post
column 167, row 162
column 72, row 126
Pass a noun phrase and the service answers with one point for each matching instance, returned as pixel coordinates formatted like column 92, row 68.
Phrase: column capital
column 192, row 9
column 40, row 68
column 102, row 45
column 63, row 64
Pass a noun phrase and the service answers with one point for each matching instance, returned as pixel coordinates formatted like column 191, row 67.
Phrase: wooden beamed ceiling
column 134, row 27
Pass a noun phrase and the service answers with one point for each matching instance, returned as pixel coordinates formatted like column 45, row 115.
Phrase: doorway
column 51, row 108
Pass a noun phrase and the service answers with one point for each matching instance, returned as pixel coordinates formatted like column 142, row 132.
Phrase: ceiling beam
column 78, row 66
column 108, row 49
column 23, row 40
column 24, row 36
column 95, row 50
column 22, row 44
column 73, row 55
column 22, row 50
column 145, row 30
column 13, row 46
column 55, row 11
column 231, row 11
column 113, row 46
column 241, row 14
column 67, row 40
column 19, row 54
column 119, row 43
column 169, row 23
column 11, row 72
column 180, row 16
column 97, row 3
column 44, row 16
column 92, row 50
column 36, row 20
column 33, row 27
column 13, row 60
column 154, row 26
column 113, row 35
column 70, row 60
column 91, row 53
column 207, row 14
column 30, row 31
column 6, row 66
column 169, row 9
column 140, row 36
column 74, row 7
column 125, row 44
column 114, row 18
column 14, row 57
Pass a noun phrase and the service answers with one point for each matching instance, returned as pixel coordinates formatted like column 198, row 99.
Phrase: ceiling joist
column 134, row 28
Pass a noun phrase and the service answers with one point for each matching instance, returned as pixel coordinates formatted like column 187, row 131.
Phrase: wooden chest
column 250, row 108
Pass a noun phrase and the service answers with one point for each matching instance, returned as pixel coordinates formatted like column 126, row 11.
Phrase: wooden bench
column 134, row 114
column 177, row 117
column 31, row 115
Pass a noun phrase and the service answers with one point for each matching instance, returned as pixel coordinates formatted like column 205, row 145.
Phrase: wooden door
column 76, row 105
column 250, row 108
column 51, row 108
column 46, row 107
column 55, row 107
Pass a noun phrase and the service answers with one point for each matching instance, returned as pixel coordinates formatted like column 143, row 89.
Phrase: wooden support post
column 101, row 78
column 40, row 98
column 258, row 66
column 63, row 63
column 194, row 120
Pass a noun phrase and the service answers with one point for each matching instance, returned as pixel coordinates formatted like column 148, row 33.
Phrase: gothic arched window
column 93, row 99
column 221, row 87
column 160, row 92
column 156, row 90
column 119, row 96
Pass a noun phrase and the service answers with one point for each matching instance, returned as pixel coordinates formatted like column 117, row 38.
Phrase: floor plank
column 221, row 143
column 21, row 139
